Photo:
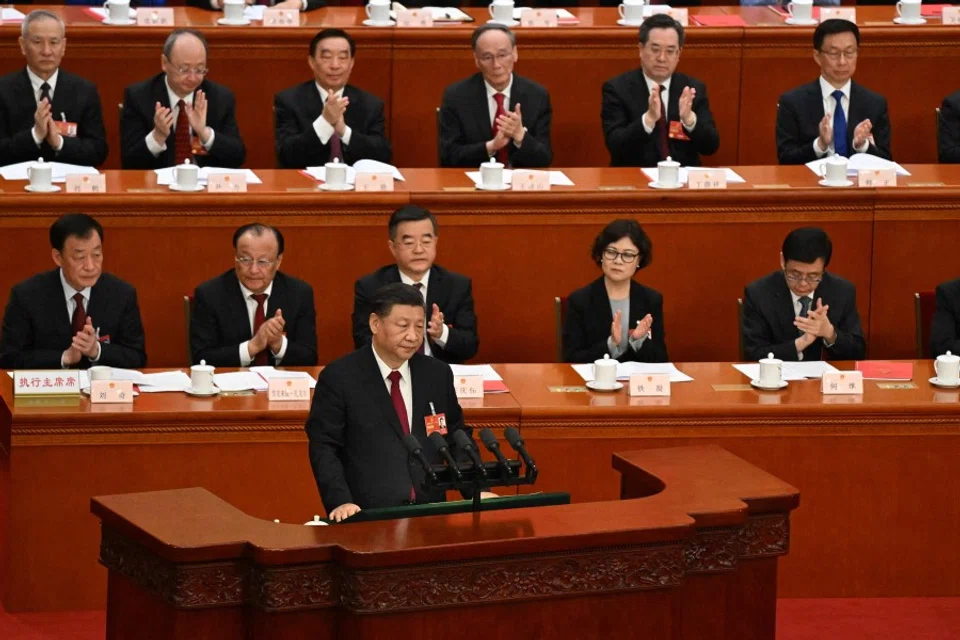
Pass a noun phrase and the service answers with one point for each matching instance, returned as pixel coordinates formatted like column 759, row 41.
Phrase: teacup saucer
column 50, row 189
column 119, row 23
column 506, row 23
column 193, row 189
column 206, row 394
column 902, row 20
column 378, row 23
column 493, row 187
column 935, row 381
column 801, row 23
column 756, row 384
column 336, row 187
column 234, row 23
column 838, row 183
column 593, row 386
column 657, row 185
column 629, row 23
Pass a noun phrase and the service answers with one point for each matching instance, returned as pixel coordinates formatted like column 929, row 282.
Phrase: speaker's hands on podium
column 343, row 512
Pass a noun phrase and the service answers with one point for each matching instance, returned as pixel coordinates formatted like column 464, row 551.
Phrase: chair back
column 559, row 314
column 924, row 304
column 187, row 312
column 742, row 349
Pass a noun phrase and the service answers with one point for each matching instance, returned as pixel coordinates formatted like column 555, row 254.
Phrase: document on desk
column 732, row 176
column 791, row 370
column 60, row 171
column 239, row 381
column 557, row 178
column 375, row 166
column 627, row 369
column 492, row 382
column 165, row 175
column 164, row 382
column 269, row 373
column 858, row 162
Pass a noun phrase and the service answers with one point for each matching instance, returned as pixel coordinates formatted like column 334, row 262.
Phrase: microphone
column 441, row 444
column 464, row 442
column 490, row 442
column 413, row 446
column 513, row 437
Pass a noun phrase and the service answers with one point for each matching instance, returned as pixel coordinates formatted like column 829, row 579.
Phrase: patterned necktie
column 502, row 155
column 839, row 127
column 663, row 142
column 259, row 317
column 401, row 408
column 419, row 287
column 181, row 137
column 45, row 93
column 79, row 315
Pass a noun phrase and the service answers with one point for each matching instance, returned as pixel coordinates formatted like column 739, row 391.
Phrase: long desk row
column 521, row 249
column 746, row 69
column 876, row 472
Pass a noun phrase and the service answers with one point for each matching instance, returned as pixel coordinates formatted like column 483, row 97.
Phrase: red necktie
column 502, row 155
column 401, row 408
column 259, row 317
column 663, row 143
column 419, row 287
column 79, row 314
column 181, row 136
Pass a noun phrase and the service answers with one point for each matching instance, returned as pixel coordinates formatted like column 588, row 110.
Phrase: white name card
column 468, row 386
column 366, row 181
column 877, row 177
column 111, row 392
column 414, row 18
column 86, row 183
column 842, row 383
column 538, row 18
column 840, row 13
column 275, row 17
column 951, row 15
column 46, row 383
column 680, row 15
column 155, row 17
column 288, row 389
column 651, row 384
column 706, row 178
column 527, row 180
column 227, row 183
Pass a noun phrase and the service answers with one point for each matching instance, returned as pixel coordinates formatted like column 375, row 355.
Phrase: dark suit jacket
column 205, row 4
column 139, row 102
column 37, row 329
column 356, row 446
column 768, row 315
column 298, row 146
column 73, row 97
column 450, row 291
column 625, row 100
column 220, row 321
column 949, row 134
column 800, row 113
column 587, row 325
column 945, row 328
column 465, row 125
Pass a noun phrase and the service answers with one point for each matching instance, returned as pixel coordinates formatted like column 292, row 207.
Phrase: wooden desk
column 671, row 561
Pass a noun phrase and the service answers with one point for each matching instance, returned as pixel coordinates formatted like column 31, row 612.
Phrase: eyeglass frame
column 183, row 71
column 835, row 56
column 247, row 263
column 611, row 254
column 501, row 57
column 810, row 278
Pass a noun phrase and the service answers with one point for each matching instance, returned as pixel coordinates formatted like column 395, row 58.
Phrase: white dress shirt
column 152, row 145
column 324, row 129
column 68, row 293
column 830, row 106
column 663, row 104
column 425, row 284
column 245, row 359
column 406, row 384
column 36, row 82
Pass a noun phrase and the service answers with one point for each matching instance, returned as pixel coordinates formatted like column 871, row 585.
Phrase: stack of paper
column 254, row 11
column 791, row 370
column 858, row 162
column 11, row 15
column 732, row 176
column 557, row 178
column 165, row 175
column 100, row 12
column 440, row 14
column 60, row 171
column 627, row 369
column 363, row 166
column 239, row 381
column 563, row 16
column 164, row 381
column 492, row 382
column 270, row 373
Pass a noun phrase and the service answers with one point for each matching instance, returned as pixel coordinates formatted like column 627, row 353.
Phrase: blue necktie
column 839, row 126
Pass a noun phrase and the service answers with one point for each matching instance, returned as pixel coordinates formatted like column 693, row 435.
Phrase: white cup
column 40, row 174
column 491, row 173
column 801, row 10
column 186, row 175
column 335, row 173
column 118, row 10
column 501, row 11
column 201, row 377
column 909, row 10
column 378, row 10
column 947, row 367
column 605, row 372
column 834, row 169
column 631, row 10
column 771, row 370
column 100, row 372
column 233, row 10
column 668, row 172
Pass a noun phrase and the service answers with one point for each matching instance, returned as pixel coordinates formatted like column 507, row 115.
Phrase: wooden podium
column 690, row 551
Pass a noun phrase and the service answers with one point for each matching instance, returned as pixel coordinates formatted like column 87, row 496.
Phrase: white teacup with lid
column 605, row 372
column 186, row 175
column 668, row 172
column 947, row 368
column 771, row 372
column 335, row 173
column 40, row 174
column 491, row 174
column 201, row 378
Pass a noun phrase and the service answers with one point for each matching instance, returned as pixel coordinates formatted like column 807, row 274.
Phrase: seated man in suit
column 300, row 5
column 75, row 316
column 254, row 314
column 178, row 115
column 833, row 114
column 46, row 112
column 495, row 113
column 654, row 112
column 326, row 118
column 451, row 333
column 365, row 403
column 801, row 312
column 945, row 328
column 949, row 135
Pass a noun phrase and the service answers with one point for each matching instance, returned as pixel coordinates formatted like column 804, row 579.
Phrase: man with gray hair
column 46, row 112
column 179, row 115
column 495, row 113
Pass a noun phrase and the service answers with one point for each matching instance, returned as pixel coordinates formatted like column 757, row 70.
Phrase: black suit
column 220, row 321
column 465, row 125
column 587, row 325
column 945, row 328
column 626, row 99
column 800, row 113
column 356, row 446
column 450, row 291
column 949, row 134
column 205, row 4
column 37, row 328
column 73, row 97
column 298, row 145
column 139, row 106
column 768, row 315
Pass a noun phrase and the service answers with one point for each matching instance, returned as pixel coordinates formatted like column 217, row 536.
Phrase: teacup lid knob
column 770, row 355
column 186, row 161
column 606, row 356
column 949, row 354
column 336, row 161
column 316, row 518
column 669, row 159
column 203, row 363
column 41, row 160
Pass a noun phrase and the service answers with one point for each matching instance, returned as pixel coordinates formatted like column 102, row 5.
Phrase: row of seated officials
column 76, row 316
column 648, row 113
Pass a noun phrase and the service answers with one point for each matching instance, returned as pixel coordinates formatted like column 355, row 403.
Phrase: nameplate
column 706, row 179
column 366, row 181
column 877, row 177
column 414, row 18
column 468, row 386
column 276, row 17
column 158, row 17
column 680, row 15
column 227, row 183
column 842, row 383
column 896, row 385
column 46, row 383
column 951, row 15
column 838, row 13
column 538, row 18
column 288, row 389
column 86, row 183
column 654, row 384
column 527, row 180
column 111, row 392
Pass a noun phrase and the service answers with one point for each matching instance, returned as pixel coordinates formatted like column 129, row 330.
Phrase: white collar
column 506, row 91
column 385, row 368
column 827, row 89
column 174, row 98
column 247, row 293
column 324, row 93
column 651, row 83
column 69, row 291
column 425, row 280
column 796, row 298
column 36, row 81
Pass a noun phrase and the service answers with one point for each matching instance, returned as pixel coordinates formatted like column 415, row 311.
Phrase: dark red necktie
column 419, row 287
column 259, row 317
column 663, row 144
column 401, row 408
column 502, row 155
column 79, row 314
column 181, row 136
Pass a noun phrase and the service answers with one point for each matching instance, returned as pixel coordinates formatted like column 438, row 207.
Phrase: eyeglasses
column 247, row 263
column 669, row 52
column 612, row 254
column 411, row 243
column 488, row 58
column 849, row 54
column 197, row 71
column 796, row 276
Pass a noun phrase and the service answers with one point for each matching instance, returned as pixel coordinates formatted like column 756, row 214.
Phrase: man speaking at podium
column 367, row 401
